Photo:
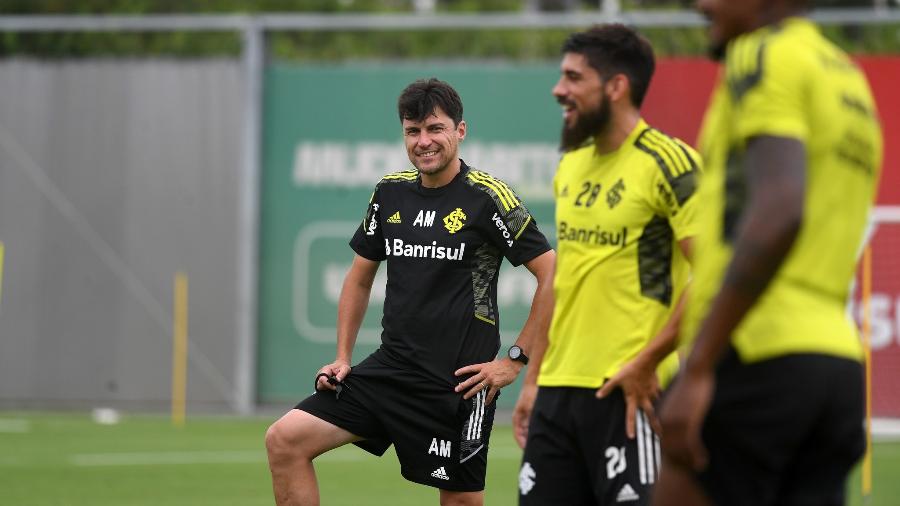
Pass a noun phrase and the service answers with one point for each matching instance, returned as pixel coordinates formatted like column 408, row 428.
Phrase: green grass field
column 67, row 459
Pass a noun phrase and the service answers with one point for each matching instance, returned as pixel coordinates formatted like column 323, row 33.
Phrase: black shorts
column 441, row 439
column 784, row 431
column 578, row 453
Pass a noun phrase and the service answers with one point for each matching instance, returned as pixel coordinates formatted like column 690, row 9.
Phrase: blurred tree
column 522, row 44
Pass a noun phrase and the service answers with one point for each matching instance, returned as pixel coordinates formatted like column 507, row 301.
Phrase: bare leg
column 678, row 487
column 292, row 443
column 450, row 498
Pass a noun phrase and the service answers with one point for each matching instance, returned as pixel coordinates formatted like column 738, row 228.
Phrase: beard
column 587, row 125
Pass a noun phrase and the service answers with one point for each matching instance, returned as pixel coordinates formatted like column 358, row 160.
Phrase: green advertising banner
column 330, row 133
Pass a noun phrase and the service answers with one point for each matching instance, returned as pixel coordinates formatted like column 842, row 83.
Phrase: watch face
column 515, row 352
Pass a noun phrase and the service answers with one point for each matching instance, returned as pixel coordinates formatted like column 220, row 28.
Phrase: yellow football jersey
column 619, row 269
column 789, row 81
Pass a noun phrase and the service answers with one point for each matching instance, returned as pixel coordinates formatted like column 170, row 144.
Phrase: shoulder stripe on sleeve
column 511, row 195
column 691, row 158
column 675, row 147
column 503, row 187
column 406, row 175
column 744, row 64
column 664, row 144
column 641, row 143
column 741, row 62
column 496, row 188
column 674, row 163
column 674, row 160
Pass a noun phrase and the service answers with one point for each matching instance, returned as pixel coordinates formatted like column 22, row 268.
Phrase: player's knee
column 274, row 439
column 290, row 438
column 281, row 444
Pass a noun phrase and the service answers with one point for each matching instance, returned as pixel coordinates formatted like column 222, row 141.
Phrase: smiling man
column 769, row 407
column 443, row 229
column 625, row 215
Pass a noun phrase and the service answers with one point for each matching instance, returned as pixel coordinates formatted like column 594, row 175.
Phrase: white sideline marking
column 886, row 429
column 157, row 458
column 232, row 457
column 199, row 457
column 17, row 425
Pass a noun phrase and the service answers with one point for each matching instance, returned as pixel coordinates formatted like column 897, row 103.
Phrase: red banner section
column 678, row 96
column 675, row 104
column 681, row 87
column 884, row 74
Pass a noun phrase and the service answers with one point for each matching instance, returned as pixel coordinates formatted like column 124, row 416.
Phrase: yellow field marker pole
column 179, row 349
column 1, row 270
column 867, row 343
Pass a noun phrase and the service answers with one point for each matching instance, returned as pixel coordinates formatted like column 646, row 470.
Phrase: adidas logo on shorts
column 440, row 474
column 627, row 494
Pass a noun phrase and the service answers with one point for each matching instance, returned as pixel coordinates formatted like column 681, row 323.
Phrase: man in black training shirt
column 443, row 229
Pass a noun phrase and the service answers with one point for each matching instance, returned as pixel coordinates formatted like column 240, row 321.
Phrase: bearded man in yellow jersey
column 768, row 409
column 624, row 216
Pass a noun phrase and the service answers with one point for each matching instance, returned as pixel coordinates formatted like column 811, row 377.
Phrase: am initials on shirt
column 441, row 449
column 424, row 219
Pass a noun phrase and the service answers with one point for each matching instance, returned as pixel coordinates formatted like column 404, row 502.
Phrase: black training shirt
column 443, row 248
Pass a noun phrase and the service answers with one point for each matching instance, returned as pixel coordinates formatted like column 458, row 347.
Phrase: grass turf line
column 65, row 459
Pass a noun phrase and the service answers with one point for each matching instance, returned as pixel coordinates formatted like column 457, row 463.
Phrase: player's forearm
column 533, row 338
column 352, row 306
column 666, row 341
column 539, row 346
column 754, row 265
column 770, row 225
column 538, row 323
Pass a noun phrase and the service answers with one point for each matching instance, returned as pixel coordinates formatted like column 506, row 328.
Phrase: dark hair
column 616, row 49
column 420, row 99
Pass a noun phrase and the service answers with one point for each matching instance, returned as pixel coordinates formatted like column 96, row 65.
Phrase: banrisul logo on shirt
column 454, row 221
column 399, row 248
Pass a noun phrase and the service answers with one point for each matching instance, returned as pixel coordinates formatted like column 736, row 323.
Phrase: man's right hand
column 639, row 384
column 339, row 369
column 522, row 413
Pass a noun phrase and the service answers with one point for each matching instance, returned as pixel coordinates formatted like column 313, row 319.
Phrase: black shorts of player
column 784, row 431
column 578, row 453
column 441, row 439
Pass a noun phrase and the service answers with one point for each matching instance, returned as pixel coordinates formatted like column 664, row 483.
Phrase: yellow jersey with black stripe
column 619, row 269
column 443, row 248
column 789, row 81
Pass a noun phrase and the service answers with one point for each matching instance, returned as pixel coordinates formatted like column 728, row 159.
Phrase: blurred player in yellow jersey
column 625, row 215
column 768, row 408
